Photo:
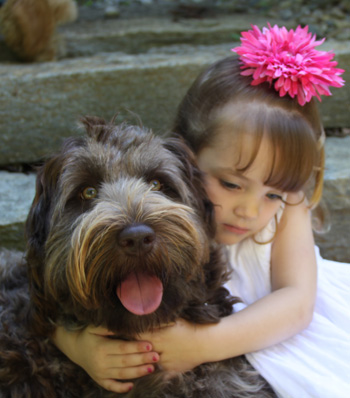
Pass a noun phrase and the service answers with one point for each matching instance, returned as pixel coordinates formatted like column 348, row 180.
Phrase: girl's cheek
column 211, row 190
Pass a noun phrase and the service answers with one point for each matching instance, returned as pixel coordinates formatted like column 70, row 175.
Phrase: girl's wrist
column 207, row 345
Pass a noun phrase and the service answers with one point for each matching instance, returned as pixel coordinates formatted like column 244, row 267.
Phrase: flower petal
column 289, row 60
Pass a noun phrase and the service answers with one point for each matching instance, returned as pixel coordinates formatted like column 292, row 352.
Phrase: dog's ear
column 37, row 229
column 97, row 128
column 90, row 122
column 194, row 179
column 38, row 220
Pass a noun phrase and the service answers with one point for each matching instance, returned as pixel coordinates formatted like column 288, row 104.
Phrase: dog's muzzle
column 140, row 293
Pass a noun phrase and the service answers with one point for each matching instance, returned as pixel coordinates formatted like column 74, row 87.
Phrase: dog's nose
column 137, row 239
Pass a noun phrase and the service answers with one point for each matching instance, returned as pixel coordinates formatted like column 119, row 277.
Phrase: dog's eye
column 89, row 193
column 155, row 185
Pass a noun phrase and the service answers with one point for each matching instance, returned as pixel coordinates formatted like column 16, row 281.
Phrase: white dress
column 316, row 362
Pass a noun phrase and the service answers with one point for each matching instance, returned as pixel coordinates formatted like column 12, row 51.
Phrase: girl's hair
column 221, row 99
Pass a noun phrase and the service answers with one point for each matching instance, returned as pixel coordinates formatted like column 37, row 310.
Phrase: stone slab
column 17, row 193
column 88, row 37
column 40, row 103
column 138, row 35
column 335, row 244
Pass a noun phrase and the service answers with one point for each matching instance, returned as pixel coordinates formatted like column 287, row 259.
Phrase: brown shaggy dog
column 28, row 26
column 120, row 235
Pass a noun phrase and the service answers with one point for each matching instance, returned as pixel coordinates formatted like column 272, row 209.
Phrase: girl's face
column 243, row 203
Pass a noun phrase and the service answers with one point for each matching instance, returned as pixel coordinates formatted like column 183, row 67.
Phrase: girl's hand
column 179, row 345
column 106, row 359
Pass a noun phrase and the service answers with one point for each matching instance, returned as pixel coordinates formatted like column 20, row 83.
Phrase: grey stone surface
column 40, row 103
column 335, row 244
column 138, row 35
column 18, row 192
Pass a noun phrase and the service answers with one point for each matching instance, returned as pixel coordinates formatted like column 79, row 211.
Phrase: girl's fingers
column 130, row 373
column 115, row 386
column 112, row 347
column 130, row 347
column 130, row 360
column 99, row 330
column 117, row 360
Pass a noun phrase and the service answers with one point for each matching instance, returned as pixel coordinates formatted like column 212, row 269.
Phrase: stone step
column 17, row 195
column 18, row 191
column 89, row 37
column 39, row 103
column 139, row 35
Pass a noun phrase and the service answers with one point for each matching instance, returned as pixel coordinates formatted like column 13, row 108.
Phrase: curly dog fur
column 116, row 203
column 28, row 26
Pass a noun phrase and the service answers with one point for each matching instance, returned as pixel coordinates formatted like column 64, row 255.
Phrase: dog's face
column 117, row 233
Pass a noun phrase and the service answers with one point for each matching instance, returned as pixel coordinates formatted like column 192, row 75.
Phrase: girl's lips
column 235, row 230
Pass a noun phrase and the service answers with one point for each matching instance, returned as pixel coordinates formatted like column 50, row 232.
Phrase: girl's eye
column 89, row 193
column 274, row 196
column 155, row 185
column 229, row 185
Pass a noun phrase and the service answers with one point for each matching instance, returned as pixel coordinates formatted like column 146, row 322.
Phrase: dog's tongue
column 140, row 293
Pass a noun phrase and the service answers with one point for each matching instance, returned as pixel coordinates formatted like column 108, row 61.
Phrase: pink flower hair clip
column 289, row 60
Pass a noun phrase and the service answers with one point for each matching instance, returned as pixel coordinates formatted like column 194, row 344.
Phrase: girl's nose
column 248, row 208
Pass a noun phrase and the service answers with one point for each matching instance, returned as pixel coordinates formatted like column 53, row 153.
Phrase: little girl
column 253, row 124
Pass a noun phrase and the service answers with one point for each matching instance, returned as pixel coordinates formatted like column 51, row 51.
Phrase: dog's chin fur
column 75, row 262
column 28, row 27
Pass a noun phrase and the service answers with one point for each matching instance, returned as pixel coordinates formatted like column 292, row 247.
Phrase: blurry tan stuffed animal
column 28, row 26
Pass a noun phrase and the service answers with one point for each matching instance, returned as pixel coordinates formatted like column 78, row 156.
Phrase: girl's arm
column 268, row 321
column 106, row 359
